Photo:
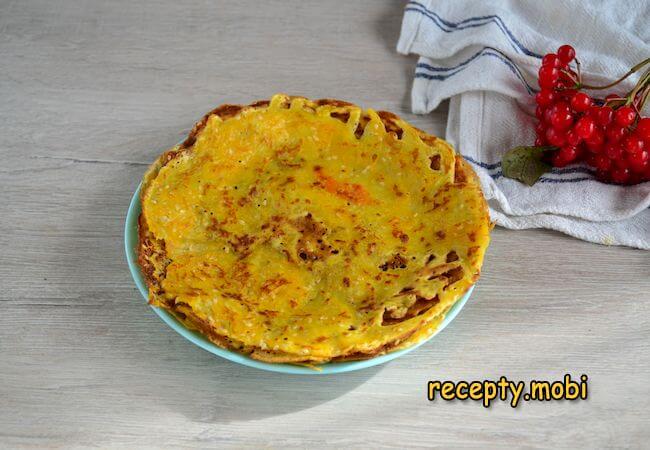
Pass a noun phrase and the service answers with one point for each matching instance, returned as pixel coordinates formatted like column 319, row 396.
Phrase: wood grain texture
column 91, row 92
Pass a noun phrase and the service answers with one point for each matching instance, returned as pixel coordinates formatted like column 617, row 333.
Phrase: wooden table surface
column 92, row 92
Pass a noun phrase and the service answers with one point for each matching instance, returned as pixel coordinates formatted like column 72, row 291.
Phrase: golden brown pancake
column 307, row 231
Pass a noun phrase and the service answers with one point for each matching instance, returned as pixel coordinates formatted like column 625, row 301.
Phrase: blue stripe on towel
column 472, row 22
column 485, row 51
column 565, row 180
column 579, row 169
column 487, row 166
column 563, row 171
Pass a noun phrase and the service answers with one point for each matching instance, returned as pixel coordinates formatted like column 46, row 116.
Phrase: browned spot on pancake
column 240, row 272
column 242, row 244
column 311, row 245
column 223, row 111
column 441, row 203
column 436, row 271
column 451, row 276
column 346, row 282
column 452, row 256
column 405, row 291
column 152, row 257
column 454, row 274
column 332, row 102
column 342, row 116
column 378, row 351
column 272, row 284
column 399, row 234
column 261, row 104
column 187, row 316
column 194, row 292
column 418, row 308
column 287, row 181
column 440, row 234
column 216, row 227
column 435, row 162
column 390, row 123
column 395, row 262
column 388, row 116
column 460, row 176
column 361, row 127
column 232, row 295
column 248, row 198
column 227, row 111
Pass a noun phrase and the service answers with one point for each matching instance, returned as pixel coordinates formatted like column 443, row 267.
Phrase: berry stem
column 576, row 80
column 578, row 71
column 614, row 83
column 644, row 81
column 615, row 102
column 642, row 99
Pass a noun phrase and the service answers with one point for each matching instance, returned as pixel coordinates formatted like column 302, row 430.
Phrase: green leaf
column 525, row 164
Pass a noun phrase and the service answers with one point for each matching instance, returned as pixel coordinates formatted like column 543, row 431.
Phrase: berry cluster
column 608, row 134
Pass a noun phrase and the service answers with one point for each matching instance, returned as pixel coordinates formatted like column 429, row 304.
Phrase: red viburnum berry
column 548, row 76
column 604, row 116
column 624, row 116
column 619, row 175
column 632, row 144
column 555, row 137
column 564, row 156
column 643, row 129
column 581, row 102
column 561, row 119
column 548, row 113
column 613, row 151
column 596, row 141
column 601, row 162
column 545, row 97
column 566, row 53
column 585, row 127
column 551, row 59
column 569, row 153
column 639, row 161
column 572, row 138
column 615, row 132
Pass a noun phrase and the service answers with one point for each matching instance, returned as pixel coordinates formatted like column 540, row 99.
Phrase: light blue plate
column 130, row 242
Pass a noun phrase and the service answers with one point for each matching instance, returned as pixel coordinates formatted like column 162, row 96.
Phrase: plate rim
column 130, row 242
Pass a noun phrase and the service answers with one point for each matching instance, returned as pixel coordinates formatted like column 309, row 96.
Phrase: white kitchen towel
column 485, row 57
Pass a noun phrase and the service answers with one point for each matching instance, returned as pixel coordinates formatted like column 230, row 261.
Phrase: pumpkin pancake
column 305, row 231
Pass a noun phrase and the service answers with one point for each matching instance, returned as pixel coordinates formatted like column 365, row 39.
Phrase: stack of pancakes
column 307, row 231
